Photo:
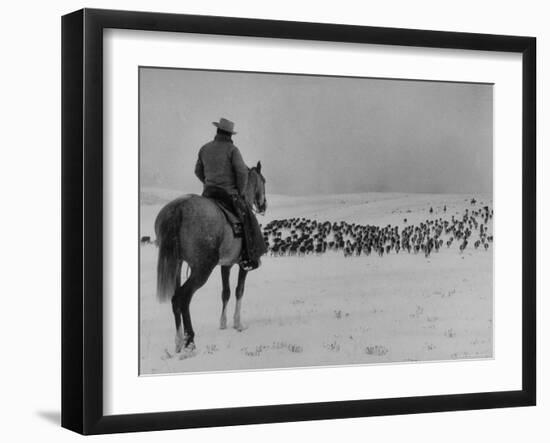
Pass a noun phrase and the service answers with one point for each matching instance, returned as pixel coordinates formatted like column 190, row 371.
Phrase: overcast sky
column 317, row 135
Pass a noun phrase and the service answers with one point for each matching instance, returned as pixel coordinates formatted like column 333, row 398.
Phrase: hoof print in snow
column 290, row 347
column 419, row 311
column 295, row 349
column 376, row 350
column 256, row 352
column 188, row 353
column 339, row 314
column 166, row 355
column 333, row 347
column 448, row 293
column 280, row 346
column 450, row 333
column 210, row 349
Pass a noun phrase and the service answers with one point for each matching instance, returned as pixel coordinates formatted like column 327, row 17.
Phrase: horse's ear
column 259, row 167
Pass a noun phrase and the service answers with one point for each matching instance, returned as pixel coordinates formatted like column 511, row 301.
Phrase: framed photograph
column 269, row 221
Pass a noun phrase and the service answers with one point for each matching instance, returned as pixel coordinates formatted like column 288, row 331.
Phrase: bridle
column 256, row 203
column 256, row 211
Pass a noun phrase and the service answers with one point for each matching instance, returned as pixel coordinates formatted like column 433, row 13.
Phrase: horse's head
column 256, row 189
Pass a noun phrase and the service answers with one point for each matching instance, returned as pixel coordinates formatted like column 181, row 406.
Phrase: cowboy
column 221, row 168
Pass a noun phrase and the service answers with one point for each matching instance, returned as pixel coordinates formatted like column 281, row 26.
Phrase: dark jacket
column 220, row 164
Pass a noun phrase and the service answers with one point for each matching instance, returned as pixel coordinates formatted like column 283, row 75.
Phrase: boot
column 249, row 265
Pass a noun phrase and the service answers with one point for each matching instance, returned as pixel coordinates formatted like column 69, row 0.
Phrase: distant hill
column 157, row 196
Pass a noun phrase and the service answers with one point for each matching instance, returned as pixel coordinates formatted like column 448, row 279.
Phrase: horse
column 193, row 229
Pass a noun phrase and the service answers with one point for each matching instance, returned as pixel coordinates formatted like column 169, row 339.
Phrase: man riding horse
column 221, row 168
column 192, row 229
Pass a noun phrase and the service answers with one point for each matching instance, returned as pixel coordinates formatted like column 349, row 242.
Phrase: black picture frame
column 82, row 220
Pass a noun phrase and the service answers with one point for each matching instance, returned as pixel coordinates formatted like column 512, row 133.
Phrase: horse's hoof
column 223, row 325
column 188, row 352
column 240, row 327
column 179, row 342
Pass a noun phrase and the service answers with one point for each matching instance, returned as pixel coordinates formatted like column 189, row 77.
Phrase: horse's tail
column 167, row 227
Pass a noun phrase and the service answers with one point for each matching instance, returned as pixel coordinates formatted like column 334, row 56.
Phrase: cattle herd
column 303, row 236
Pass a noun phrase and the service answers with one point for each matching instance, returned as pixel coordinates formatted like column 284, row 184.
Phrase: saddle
column 230, row 216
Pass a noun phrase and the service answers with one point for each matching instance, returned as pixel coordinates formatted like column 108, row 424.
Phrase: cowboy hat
column 225, row 125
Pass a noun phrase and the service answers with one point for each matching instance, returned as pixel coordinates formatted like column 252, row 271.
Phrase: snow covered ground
column 328, row 309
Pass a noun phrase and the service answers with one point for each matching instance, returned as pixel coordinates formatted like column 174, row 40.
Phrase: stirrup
column 249, row 265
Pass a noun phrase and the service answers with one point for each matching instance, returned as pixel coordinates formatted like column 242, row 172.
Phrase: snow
column 320, row 310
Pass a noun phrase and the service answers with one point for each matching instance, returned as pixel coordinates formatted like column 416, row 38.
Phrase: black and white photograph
column 254, row 222
column 295, row 221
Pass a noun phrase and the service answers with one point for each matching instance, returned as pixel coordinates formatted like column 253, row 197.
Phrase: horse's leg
column 239, row 291
column 199, row 276
column 226, row 293
column 177, row 313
